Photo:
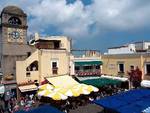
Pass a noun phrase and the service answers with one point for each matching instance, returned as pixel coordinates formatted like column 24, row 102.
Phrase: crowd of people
column 12, row 105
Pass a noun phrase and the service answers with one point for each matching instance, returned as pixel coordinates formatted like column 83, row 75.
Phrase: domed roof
column 13, row 10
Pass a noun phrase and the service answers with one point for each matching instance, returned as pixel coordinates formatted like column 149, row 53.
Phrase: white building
column 130, row 48
column 142, row 46
column 126, row 49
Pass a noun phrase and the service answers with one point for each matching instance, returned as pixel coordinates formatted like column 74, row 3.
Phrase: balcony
column 48, row 44
column 88, row 72
column 55, row 71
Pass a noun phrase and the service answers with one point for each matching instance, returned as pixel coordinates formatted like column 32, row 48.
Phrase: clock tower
column 13, row 43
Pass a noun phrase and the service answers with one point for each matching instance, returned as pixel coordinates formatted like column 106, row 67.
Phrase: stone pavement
column 89, row 108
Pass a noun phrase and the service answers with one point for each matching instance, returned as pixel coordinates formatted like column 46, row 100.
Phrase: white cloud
column 75, row 20
column 70, row 19
column 120, row 14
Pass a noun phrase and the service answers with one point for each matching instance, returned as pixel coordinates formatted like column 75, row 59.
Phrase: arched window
column 33, row 66
column 14, row 21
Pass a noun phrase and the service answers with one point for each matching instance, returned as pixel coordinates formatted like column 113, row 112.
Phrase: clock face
column 15, row 34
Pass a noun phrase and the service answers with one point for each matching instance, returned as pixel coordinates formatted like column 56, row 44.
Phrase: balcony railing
column 55, row 70
column 88, row 73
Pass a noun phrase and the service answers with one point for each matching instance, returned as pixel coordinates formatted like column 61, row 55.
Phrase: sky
column 92, row 24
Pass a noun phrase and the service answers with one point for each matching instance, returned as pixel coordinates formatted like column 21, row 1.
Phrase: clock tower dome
column 13, row 41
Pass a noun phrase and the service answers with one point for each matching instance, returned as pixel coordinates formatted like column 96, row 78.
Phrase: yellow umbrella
column 72, row 92
column 45, row 87
column 81, row 89
column 57, row 96
column 61, row 90
column 68, row 91
column 90, row 88
column 44, row 92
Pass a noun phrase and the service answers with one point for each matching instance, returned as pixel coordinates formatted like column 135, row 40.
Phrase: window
column 56, row 45
column 87, row 67
column 77, row 68
column 98, row 67
column 14, row 21
column 54, row 67
column 148, row 69
column 121, row 67
column 28, row 54
column 54, row 64
column 28, row 74
column 33, row 66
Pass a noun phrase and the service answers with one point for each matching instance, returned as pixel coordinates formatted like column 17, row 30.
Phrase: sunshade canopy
column 133, row 101
column 68, row 86
column 64, row 81
column 100, row 82
column 46, row 87
column 42, row 109
column 87, row 63
column 28, row 88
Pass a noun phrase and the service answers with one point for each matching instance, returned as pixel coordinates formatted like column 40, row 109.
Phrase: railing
column 55, row 70
column 84, row 73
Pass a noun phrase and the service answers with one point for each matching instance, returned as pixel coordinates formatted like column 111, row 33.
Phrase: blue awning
column 133, row 101
column 42, row 109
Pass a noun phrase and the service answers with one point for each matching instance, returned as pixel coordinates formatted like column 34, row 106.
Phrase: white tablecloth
column 115, row 77
column 2, row 89
column 145, row 83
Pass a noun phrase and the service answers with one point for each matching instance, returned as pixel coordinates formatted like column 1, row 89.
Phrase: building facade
column 119, row 64
column 51, row 58
column 89, row 64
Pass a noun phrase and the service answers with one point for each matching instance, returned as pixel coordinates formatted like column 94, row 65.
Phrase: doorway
column 148, row 69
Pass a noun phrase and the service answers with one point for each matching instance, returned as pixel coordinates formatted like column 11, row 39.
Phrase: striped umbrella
column 90, row 88
column 68, row 91
column 57, row 96
column 44, row 92
column 72, row 92
column 46, row 87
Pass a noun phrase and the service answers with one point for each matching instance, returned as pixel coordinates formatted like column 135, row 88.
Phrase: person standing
column 138, row 77
column 1, row 106
column 7, row 97
column 131, row 75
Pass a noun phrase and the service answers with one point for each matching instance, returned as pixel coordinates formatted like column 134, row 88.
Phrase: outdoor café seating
column 64, row 92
